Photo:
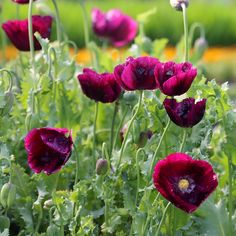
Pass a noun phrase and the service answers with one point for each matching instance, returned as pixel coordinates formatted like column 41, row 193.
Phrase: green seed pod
column 4, row 223
column 53, row 230
column 8, row 195
column 101, row 166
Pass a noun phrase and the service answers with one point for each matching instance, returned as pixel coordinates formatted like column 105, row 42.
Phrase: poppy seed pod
column 99, row 87
column 186, row 113
column 117, row 27
column 183, row 181
column 137, row 73
column 177, row 4
column 101, row 166
column 17, row 31
column 48, row 149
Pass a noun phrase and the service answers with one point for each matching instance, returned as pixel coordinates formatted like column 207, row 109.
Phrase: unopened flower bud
column 177, row 4
column 200, row 45
column 101, row 166
column 8, row 195
column 143, row 138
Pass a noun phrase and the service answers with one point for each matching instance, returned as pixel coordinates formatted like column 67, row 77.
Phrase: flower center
column 183, row 184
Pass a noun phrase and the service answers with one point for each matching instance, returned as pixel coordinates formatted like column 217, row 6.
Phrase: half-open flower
column 183, row 181
column 174, row 79
column 119, row 28
column 17, row 31
column 48, row 149
column 99, row 87
column 186, row 113
column 137, row 73
column 22, row 1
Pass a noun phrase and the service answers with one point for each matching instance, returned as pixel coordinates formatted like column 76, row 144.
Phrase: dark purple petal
column 120, row 29
column 17, row 31
column 99, row 87
column 183, row 181
column 174, row 79
column 137, row 74
column 48, row 149
column 22, row 1
column 185, row 113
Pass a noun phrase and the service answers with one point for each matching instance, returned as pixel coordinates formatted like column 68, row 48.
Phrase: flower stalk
column 58, row 21
column 185, row 19
column 128, row 128
column 94, row 132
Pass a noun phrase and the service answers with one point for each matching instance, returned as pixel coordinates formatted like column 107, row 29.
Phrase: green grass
column 218, row 18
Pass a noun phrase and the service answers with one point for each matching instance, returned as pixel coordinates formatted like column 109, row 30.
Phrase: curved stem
column 162, row 220
column 192, row 31
column 94, row 133
column 128, row 129
column 31, row 35
column 112, row 128
column 185, row 30
column 120, row 124
column 158, row 147
column 9, row 73
column 59, row 35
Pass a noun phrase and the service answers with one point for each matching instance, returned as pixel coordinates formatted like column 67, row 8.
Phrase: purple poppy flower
column 99, row 87
column 183, row 181
column 21, row 1
column 174, row 79
column 17, row 31
column 186, row 113
column 48, row 149
column 137, row 74
column 120, row 29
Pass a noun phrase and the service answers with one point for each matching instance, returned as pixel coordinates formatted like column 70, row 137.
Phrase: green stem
column 3, row 39
column 138, row 175
column 162, row 220
column 112, row 128
column 128, row 129
column 77, row 165
column 230, row 194
column 31, row 35
column 158, row 147
column 105, row 155
column 40, row 217
column 120, row 125
column 94, row 133
column 185, row 30
column 86, row 24
column 183, row 140
column 58, row 21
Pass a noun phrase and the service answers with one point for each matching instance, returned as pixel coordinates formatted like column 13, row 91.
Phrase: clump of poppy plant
column 137, row 73
column 17, row 31
column 186, row 113
column 115, row 26
column 99, row 87
column 183, row 181
column 48, row 149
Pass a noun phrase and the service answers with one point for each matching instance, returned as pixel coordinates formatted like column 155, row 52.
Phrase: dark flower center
column 183, row 109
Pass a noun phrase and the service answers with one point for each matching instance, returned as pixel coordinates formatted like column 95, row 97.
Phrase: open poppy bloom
column 22, row 1
column 99, row 87
column 48, row 149
column 174, row 79
column 183, row 181
column 186, row 113
column 17, row 31
column 119, row 28
column 137, row 73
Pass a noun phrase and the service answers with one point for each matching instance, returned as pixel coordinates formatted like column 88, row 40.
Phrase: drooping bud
column 101, row 166
column 8, row 195
column 177, row 4
column 8, row 100
column 200, row 46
